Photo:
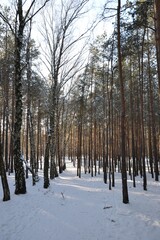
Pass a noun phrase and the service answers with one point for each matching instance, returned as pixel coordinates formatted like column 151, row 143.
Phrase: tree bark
column 153, row 123
column 46, row 164
column 157, row 35
column 20, row 184
column 6, row 191
column 123, row 132
column 53, row 169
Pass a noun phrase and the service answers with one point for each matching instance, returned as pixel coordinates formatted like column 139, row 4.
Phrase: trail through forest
column 81, row 209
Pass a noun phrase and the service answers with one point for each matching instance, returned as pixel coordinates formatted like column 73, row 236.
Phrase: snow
column 81, row 209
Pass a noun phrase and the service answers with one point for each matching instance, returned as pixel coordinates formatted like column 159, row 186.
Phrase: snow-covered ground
column 81, row 209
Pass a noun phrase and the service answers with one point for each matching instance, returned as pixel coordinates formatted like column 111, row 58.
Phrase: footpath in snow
column 75, row 208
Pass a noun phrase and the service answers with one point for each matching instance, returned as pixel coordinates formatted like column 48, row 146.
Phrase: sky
column 81, row 209
column 96, row 8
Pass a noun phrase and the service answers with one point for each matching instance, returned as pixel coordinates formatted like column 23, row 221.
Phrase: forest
column 101, row 113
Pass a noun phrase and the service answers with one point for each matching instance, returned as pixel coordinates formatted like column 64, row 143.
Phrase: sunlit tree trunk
column 32, row 148
column 6, row 118
column 132, row 125
column 153, row 123
column 143, row 149
column 38, row 137
column 11, row 164
column 112, row 121
column 157, row 36
column 80, row 128
column 104, row 131
column 59, row 138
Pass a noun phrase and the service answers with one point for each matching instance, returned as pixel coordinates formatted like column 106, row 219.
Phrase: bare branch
column 27, row 20
column 6, row 21
column 29, row 9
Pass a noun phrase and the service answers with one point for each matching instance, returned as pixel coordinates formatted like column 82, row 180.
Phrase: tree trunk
column 157, row 35
column 46, row 164
column 27, row 135
column 38, row 136
column 33, row 150
column 11, row 157
column 123, row 132
column 142, row 116
column 132, row 127
column 6, row 191
column 153, row 122
column 20, row 183
column 53, row 169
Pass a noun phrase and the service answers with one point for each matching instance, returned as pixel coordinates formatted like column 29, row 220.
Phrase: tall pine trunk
column 123, row 132
column 157, row 35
